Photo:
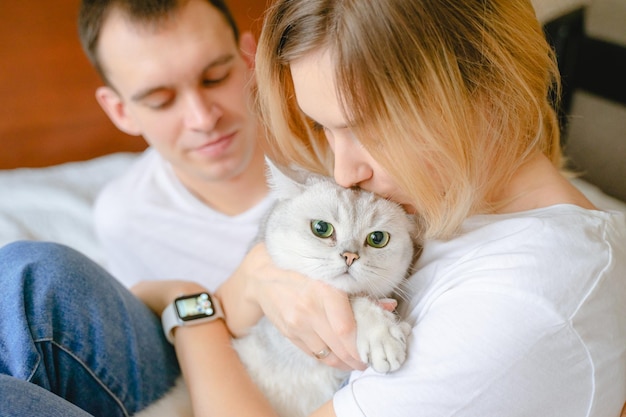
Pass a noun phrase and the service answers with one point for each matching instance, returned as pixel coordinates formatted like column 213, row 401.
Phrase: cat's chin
column 346, row 283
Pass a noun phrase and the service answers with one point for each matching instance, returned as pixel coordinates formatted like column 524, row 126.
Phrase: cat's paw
column 381, row 337
column 386, row 348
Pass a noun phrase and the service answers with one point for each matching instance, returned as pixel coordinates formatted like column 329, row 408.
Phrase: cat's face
column 350, row 239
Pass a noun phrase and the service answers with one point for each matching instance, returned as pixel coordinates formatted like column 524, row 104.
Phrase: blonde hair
column 449, row 96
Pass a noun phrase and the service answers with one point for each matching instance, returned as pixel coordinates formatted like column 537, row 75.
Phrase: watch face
column 194, row 307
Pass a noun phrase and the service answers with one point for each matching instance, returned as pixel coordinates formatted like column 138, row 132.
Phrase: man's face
column 185, row 86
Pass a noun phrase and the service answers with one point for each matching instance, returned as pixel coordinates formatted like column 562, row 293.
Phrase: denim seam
column 89, row 371
column 32, row 373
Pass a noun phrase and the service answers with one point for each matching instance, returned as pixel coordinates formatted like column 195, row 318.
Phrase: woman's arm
column 314, row 316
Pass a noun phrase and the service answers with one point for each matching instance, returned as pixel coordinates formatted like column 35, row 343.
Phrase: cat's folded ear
column 286, row 182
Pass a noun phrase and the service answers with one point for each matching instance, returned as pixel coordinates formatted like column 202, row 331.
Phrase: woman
column 518, row 304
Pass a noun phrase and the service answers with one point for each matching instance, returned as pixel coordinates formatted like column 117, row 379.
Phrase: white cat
column 351, row 239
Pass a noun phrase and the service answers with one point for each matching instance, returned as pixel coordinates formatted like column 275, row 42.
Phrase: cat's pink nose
column 350, row 257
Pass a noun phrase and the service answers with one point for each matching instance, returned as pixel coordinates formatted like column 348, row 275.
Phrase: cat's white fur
column 293, row 381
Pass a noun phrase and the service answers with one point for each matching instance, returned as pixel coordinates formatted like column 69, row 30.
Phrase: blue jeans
column 73, row 338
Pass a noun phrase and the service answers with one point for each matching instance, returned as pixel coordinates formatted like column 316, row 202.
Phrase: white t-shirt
column 152, row 228
column 521, row 315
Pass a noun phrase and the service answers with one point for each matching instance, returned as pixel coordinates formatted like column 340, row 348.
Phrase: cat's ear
column 286, row 182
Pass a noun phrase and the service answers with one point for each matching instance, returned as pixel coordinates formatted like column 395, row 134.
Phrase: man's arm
column 217, row 381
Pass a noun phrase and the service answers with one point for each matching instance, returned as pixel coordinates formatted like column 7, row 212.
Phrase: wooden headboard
column 48, row 111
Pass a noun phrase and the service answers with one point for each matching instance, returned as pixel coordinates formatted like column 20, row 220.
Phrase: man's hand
column 159, row 294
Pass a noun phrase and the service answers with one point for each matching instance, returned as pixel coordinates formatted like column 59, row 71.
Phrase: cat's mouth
column 345, row 282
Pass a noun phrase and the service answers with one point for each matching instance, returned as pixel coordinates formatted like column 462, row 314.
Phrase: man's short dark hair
column 93, row 13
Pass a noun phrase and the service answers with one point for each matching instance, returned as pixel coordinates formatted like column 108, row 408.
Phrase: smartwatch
column 188, row 310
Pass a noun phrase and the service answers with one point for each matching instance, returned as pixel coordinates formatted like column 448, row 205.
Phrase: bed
column 55, row 203
column 48, row 195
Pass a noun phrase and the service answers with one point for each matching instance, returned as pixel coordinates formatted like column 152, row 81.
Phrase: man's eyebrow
column 140, row 95
column 145, row 93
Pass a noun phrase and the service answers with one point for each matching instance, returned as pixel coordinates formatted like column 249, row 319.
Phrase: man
column 179, row 74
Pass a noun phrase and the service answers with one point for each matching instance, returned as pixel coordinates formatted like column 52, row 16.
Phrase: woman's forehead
column 315, row 88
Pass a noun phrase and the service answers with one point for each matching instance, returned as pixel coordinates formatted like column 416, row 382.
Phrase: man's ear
column 247, row 45
column 115, row 108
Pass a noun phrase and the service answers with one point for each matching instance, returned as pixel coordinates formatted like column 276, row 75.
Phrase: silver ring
column 322, row 353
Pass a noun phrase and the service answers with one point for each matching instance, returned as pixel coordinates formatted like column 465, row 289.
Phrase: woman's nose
column 351, row 166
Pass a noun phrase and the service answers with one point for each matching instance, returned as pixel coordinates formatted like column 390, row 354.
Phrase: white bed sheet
column 55, row 203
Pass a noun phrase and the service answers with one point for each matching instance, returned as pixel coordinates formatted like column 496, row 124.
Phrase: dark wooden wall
column 48, row 113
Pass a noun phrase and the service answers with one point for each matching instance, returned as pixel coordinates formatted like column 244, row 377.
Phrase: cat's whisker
column 401, row 294
column 383, row 274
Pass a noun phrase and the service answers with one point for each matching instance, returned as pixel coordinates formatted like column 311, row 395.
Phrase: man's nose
column 202, row 114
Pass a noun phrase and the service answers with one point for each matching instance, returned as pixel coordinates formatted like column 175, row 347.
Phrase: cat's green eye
column 322, row 229
column 377, row 239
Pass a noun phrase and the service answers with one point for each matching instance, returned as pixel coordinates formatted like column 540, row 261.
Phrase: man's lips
column 216, row 147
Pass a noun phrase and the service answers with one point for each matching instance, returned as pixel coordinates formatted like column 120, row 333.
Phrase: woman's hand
column 159, row 294
column 314, row 316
